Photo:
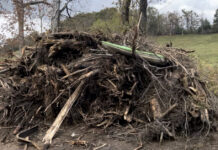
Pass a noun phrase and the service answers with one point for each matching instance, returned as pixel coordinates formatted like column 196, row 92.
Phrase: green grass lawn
column 205, row 46
column 206, row 51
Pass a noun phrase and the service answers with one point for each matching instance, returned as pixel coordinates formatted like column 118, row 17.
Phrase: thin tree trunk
column 55, row 21
column 125, row 11
column 20, row 15
column 143, row 10
column 20, row 12
column 21, row 29
column 41, row 24
column 41, row 15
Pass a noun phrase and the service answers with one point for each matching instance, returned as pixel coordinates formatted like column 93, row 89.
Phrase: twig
column 103, row 145
column 167, row 131
column 168, row 111
column 140, row 145
column 7, row 127
column 76, row 72
column 4, row 70
column 54, row 100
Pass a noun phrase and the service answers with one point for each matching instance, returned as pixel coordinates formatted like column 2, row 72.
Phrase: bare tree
column 41, row 14
column 191, row 19
column 57, row 10
column 21, row 9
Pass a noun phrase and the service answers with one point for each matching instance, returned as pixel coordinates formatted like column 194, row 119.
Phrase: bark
column 19, row 6
column 125, row 11
column 21, row 29
column 55, row 20
column 143, row 21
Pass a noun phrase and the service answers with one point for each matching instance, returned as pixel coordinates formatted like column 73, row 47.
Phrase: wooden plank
column 149, row 56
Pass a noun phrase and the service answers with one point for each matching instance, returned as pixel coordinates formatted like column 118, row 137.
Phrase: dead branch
column 61, row 116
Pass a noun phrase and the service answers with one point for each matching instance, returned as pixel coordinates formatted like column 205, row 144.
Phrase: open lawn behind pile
column 206, row 52
column 206, row 45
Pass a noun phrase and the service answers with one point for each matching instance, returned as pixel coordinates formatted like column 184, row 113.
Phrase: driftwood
column 61, row 116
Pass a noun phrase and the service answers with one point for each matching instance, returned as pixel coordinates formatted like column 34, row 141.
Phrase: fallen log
column 61, row 116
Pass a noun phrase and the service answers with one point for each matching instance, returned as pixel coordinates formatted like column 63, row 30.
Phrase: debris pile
column 78, row 78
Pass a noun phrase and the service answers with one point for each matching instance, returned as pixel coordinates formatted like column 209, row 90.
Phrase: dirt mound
column 156, row 90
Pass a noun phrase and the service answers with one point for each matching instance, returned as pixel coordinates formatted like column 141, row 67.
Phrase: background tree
column 174, row 23
column 153, row 19
column 191, row 20
column 57, row 11
column 125, row 8
column 215, row 22
column 143, row 4
column 20, row 11
column 41, row 14
column 205, row 26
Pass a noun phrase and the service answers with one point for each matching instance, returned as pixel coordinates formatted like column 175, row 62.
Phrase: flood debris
column 77, row 78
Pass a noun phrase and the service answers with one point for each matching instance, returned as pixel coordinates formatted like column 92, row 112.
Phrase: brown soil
column 112, row 141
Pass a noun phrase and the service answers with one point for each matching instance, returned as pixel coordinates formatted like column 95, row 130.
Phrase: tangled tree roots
column 162, row 99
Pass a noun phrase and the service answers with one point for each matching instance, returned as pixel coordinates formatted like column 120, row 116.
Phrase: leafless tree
column 57, row 11
column 21, row 9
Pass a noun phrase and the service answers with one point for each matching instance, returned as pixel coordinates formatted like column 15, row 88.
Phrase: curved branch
column 35, row 3
column 68, row 13
column 65, row 6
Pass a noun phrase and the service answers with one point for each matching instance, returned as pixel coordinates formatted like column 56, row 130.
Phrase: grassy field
column 206, row 46
column 206, row 52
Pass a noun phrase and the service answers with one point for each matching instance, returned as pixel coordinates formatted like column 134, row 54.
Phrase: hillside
column 95, row 20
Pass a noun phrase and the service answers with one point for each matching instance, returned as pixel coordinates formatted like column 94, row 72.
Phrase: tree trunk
column 143, row 12
column 20, row 15
column 55, row 20
column 125, row 11
column 41, row 24
column 21, row 29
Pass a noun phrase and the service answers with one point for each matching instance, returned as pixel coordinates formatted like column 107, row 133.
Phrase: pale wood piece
column 61, row 116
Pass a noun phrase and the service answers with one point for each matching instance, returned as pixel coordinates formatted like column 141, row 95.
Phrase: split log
column 61, row 116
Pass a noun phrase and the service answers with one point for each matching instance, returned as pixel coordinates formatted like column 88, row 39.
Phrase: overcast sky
column 205, row 8
column 202, row 7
